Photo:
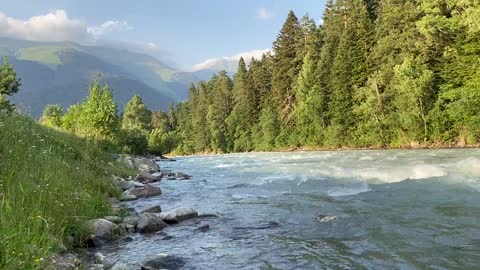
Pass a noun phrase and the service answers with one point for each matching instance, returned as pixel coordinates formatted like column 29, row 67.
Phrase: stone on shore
column 102, row 260
column 114, row 219
column 141, row 163
column 126, row 185
column 119, row 266
column 178, row 215
column 163, row 261
column 142, row 192
column 104, row 229
column 150, row 223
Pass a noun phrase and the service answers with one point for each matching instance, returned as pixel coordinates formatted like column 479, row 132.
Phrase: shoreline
column 341, row 149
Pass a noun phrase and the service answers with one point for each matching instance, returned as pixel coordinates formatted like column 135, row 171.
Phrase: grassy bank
column 50, row 184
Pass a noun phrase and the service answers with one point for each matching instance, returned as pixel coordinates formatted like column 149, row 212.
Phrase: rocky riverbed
column 126, row 223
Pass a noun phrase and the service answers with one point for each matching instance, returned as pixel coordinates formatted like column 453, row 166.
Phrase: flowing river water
column 395, row 209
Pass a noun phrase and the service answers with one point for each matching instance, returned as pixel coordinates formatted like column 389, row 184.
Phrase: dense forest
column 372, row 74
column 394, row 73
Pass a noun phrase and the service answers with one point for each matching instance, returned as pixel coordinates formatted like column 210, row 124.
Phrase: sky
column 187, row 34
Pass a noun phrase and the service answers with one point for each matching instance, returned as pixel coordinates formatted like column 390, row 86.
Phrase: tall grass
column 50, row 184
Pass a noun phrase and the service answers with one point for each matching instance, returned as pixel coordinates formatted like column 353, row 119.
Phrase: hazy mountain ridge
column 60, row 72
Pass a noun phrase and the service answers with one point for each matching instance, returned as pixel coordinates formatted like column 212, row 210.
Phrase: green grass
column 48, row 55
column 50, row 184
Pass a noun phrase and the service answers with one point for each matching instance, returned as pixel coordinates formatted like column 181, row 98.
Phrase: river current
column 394, row 209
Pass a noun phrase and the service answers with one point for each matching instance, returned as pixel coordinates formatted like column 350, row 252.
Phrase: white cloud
column 209, row 63
column 53, row 26
column 264, row 14
column 108, row 27
column 57, row 26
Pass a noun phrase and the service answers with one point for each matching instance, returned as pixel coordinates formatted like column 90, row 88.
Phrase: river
column 394, row 209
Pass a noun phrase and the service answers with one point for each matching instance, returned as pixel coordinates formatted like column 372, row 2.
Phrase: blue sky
column 184, row 32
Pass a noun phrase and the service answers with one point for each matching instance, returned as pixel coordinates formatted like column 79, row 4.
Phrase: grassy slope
column 50, row 184
column 48, row 55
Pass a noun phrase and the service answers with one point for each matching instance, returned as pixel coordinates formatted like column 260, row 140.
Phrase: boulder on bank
column 126, row 185
column 178, row 215
column 163, row 261
column 114, row 219
column 141, row 192
column 119, row 266
column 102, row 260
column 103, row 228
column 146, row 177
column 141, row 163
column 150, row 223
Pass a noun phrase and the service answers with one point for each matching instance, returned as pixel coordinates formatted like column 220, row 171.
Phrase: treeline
column 137, row 130
column 374, row 74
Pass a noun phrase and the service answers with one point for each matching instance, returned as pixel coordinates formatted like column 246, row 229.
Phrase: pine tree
column 307, row 112
column 9, row 85
column 219, row 110
column 243, row 115
column 286, row 66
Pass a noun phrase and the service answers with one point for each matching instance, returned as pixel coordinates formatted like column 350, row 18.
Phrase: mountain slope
column 60, row 72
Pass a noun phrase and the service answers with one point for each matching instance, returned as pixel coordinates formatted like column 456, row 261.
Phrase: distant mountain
column 207, row 69
column 60, row 73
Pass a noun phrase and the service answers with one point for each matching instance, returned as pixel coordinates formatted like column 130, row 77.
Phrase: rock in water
column 146, row 177
column 325, row 219
column 153, row 209
column 150, row 223
column 178, row 215
column 163, row 261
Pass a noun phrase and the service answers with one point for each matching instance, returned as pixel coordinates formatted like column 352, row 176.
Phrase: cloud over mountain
column 57, row 26
column 214, row 62
column 53, row 26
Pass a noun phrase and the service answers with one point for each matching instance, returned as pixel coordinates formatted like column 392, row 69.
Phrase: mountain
column 60, row 73
column 205, row 70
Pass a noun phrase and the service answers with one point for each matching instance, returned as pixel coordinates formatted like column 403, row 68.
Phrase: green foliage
column 98, row 114
column 161, row 142
column 136, row 116
column 9, row 85
column 374, row 74
column 45, row 205
column 52, row 116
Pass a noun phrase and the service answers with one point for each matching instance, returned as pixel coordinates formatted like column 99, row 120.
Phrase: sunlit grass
column 50, row 184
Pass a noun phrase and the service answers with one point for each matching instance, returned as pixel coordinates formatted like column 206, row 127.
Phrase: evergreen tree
column 307, row 111
column 243, row 115
column 9, row 85
column 286, row 65
column 219, row 110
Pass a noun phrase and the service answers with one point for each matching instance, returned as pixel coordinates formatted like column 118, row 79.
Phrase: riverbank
column 326, row 149
column 126, row 222
column 51, row 183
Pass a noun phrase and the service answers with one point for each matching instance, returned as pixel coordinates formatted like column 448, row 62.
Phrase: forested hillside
column 374, row 73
